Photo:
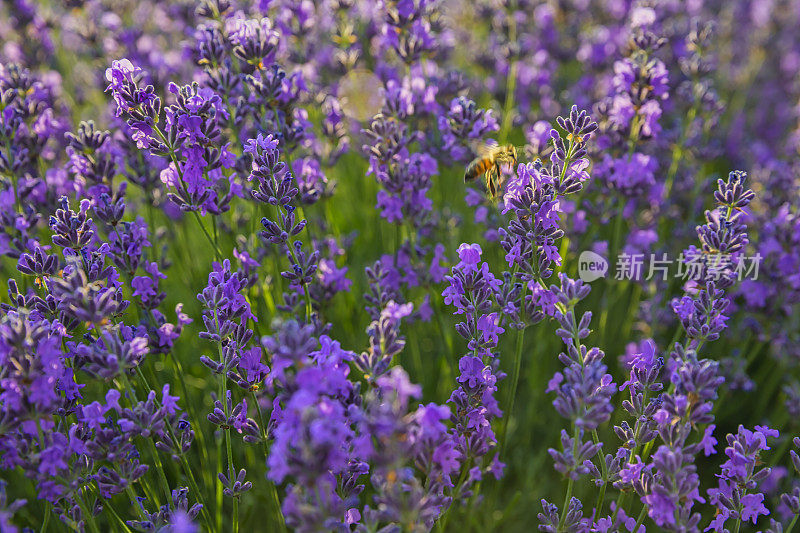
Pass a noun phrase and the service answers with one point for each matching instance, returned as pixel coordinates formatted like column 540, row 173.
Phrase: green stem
column 231, row 476
column 184, row 463
column 88, row 518
column 156, row 459
column 641, row 518
column 149, row 493
column 231, row 473
column 600, row 500
column 615, row 242
column 161, row 471
column 196, row 490
column 636, row 128
column 290, row 246
column 307, row 297
column 511, row 80
column 190, row 408
column 223, row 389
column 677, row 153
column 219, row 460
column 790, row 527
column 570, row 482
column 135, row 502
column 160, row 468
column 442, row 524
column 216, row 231
column 514, row 383
column 276, row 501
column 262, row 432
column 604, row 469
column 209, row 238
column 567, row 498
column 178, row 169
column 619, row 503
column 46, row 520
column 116, row 515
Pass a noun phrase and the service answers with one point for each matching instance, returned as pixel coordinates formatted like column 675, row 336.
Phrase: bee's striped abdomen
column 477, row 167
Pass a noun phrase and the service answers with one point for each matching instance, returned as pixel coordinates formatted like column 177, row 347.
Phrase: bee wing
column 482, row 148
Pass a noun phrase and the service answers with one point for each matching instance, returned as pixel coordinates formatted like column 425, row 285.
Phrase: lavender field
column 399, row 266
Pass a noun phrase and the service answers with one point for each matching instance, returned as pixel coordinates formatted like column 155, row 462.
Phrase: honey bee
column 490, row 162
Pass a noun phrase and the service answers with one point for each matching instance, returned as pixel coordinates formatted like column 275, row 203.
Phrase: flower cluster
column 243, row 290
